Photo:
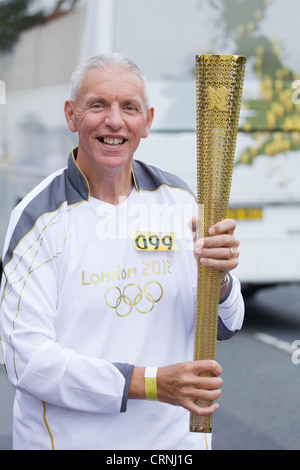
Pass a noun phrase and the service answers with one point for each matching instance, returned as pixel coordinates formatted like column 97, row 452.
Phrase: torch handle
column 205, row 344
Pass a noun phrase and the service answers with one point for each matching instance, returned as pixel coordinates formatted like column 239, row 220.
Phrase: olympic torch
column 219, row 85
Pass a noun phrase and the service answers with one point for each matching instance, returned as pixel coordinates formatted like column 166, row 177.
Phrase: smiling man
column 110, row 116
column 97, row 331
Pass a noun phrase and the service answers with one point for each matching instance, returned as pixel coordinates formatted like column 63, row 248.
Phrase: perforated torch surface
column 219, row 85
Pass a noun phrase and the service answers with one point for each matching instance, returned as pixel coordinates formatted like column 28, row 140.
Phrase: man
column 99, row 284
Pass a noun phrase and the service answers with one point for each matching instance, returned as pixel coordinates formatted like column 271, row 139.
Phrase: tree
column 15, row 18
column 274, row 121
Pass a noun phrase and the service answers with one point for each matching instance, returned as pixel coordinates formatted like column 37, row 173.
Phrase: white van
column 163, row 37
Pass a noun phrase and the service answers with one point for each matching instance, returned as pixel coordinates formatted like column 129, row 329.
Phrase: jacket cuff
column 228, row 291
column 126, row 370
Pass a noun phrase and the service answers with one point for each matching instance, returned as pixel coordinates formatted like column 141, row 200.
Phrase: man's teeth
column 110, row 141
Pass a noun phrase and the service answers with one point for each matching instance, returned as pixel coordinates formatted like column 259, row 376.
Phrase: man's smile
column 111, row 140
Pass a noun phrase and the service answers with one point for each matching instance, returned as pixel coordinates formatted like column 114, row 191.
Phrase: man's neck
column 112, row 191
column 111, row 185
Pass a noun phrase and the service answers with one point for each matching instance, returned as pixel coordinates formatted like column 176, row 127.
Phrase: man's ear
column 70, row 115
column 150, row 116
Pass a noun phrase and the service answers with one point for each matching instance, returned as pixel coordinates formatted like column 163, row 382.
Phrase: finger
column 193, row 224
column 218, row 253
column 206, row 365
column 217, row 241
column 221, row 265
column 207, row 395
column 202, row 410
column 209, row 383
column 193, row 227
column 224, row 226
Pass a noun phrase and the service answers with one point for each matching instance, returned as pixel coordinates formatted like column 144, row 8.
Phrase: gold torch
column 219, row 85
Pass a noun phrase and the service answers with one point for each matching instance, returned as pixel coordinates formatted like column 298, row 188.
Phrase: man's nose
column 113, row 117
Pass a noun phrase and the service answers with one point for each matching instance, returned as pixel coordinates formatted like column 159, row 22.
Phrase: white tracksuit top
column 88, row 291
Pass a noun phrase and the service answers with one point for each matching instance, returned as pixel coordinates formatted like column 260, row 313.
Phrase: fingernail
column 212, row 231
column 199, row 244
column 198, row 247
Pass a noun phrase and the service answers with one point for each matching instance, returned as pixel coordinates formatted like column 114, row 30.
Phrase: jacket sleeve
column 231, row 311
column 35, row 362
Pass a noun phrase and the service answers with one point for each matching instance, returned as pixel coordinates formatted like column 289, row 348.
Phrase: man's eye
column 130, row 108
column 97, row 106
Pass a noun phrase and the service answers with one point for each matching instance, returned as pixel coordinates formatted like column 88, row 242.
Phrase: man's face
column 110, row 116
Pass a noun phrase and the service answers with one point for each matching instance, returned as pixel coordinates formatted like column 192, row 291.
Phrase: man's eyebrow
column 96, row 99
column 133, row 102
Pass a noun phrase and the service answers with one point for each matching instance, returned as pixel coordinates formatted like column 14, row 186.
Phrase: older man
column 98, row 290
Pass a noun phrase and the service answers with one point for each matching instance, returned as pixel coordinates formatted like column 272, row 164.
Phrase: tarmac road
column 260, row 402
column 6, row 403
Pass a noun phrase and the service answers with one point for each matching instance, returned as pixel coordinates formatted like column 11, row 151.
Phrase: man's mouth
column 111, row 141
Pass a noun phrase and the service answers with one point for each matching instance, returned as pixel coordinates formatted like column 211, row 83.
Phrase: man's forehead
column 114, row 79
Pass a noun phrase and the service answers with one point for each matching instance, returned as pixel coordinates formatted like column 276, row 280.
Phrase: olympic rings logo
column 133, row 296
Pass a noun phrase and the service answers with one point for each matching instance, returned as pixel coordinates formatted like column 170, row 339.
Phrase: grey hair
column 106, row 60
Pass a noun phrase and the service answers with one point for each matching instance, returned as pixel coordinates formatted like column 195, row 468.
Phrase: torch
column 219, row 85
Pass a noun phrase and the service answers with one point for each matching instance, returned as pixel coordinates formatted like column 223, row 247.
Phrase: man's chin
column 114, row 161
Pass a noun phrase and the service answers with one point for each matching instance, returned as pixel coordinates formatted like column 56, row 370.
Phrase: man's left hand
column 220, row 249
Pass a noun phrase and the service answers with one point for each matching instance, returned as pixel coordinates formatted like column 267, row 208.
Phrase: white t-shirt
column 90, row 290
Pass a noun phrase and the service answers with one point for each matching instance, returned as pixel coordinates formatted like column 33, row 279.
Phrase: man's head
column 102, row 61
column 109, row 110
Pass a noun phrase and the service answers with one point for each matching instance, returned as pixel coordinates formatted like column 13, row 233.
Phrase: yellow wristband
column 151, row 383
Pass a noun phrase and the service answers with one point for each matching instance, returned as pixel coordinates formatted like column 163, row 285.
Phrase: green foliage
column 15, row 18
column 273, row 119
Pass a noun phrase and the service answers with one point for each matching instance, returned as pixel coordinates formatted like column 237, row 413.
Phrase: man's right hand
column 182, row 384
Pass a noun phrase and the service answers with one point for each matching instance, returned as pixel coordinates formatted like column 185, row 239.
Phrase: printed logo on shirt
column 153, row 241
column 133, row 288
column 147, row 268
column 132, row 296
